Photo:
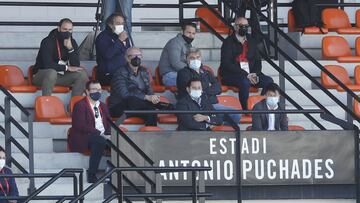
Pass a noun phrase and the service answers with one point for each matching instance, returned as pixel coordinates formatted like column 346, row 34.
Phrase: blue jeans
column 112, row 6
column 241, row 82
column 235, row 117
column 169, row 79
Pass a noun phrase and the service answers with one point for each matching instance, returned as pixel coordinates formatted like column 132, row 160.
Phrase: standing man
column 111, row 45
column 112, row 6
column 57, row 62
column 241, row 63
column 173, row 56
column 90, row 128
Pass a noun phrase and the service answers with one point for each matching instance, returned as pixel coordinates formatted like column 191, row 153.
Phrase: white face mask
column 196, row 94
column 119, row 29
column 195, row 64
column 272, row 101
column 2, row 163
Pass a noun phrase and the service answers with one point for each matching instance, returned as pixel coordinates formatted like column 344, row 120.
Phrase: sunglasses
column 96, row 110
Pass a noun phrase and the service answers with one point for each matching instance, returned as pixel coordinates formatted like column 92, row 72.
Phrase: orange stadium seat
column 340, row 73
column 307, row 30
column 158, row 80
column 356, row 105
column 150, row 129
column 233, row 102
column 212, row 20
column 57, row 89
column 51, row 109
column 166, row 118
column 156, row 88
column 337, row 20
column 223, row 128
column 357, row 46
column 290, row 128
column 93, row 77
column 252, row 100
column 73, row 101
column 12, row 78
column 128, row 121
column 357, row 18
column 235, row 89
column 337, row 48
column 357, row 75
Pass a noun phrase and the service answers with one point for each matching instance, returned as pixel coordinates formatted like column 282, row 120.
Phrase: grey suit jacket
column 260, row 121
column 173, row 56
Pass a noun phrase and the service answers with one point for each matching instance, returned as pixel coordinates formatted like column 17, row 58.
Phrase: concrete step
column 41, row 145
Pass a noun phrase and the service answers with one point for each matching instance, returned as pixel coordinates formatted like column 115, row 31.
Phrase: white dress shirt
column 99, row 125
column 271, row 120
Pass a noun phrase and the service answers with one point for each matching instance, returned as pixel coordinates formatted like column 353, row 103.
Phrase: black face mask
column 243, row 30
column 187, row 39
column 136, row 62
column 64, row 35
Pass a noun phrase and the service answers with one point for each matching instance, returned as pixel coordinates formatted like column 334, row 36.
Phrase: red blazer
column 83, row 125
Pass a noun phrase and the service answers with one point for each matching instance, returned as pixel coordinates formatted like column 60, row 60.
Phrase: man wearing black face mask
column 131, row 89
column 241, row 63
column 173, row 56
column 90, row 127
column 58, row 63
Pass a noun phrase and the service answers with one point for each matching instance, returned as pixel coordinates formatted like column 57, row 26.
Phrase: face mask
column 136, row 62
column 64, row 35
column 95, row 96
column 243, row 31
column 195, row 64
column 2, row 163
column 272, row 101
column 119, row 29
column 196, row 94
column 188, row 39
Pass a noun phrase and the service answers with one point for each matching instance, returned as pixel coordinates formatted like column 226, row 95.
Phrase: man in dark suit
column 270, row 121
column 195, row 100
column 240, row 62
column 90, row 127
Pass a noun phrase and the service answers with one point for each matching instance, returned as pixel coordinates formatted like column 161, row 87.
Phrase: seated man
column 111, row 45
column 90, row 128
column 270, row 121
column 57, row 62
column 195, row 100
column 210, row 85
column 240, row 62
column 131, row 89
column 173, row 55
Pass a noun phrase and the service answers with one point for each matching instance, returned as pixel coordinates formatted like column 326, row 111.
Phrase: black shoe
column 91, row 178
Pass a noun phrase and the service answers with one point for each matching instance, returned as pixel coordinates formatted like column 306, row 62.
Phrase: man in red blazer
column 90, row 127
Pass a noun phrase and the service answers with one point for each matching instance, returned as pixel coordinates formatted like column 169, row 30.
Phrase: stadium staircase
column 50, row 146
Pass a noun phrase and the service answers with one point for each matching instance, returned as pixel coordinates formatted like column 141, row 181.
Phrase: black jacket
column 187, row 122
column 48, row 57
column 231, row 49
column 123, row 85
column 260, row 121
column 211, row 86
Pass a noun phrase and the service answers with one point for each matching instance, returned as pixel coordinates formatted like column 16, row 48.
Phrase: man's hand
column 107, row 137
column 201, row 118
column 68, row 44
column 152, row 98
column 123, row 36
column 74, row 69
column 253, row 78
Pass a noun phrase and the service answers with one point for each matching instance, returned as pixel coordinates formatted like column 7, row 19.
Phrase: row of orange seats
column 335, row 20
column 337, row 48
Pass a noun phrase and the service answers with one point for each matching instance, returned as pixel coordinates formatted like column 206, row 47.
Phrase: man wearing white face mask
column 269, row 121
column 210, row 85
column 7, row 185
column 195, row 100
column 111, row 45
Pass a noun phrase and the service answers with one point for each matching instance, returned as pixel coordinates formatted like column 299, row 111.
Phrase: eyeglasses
column 135, row 55
column 96, row 110
column 241, row 26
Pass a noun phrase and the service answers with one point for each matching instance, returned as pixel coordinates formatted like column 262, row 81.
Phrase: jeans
column 235, row 117
column 113, row 5
column 241, row 82
column 169, row 79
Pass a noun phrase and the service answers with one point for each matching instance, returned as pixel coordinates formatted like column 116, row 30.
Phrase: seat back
column 73, row 101
column 150, row 129
column 229, row 101
column 295, row 127
column 157, row 76
column 334, row 18
column 291, row 21
column 357, row 18
column 356, row 105
column 93, row 73
column 335, row 46
column 211, row 19
column 357, row 74
column 11, row 76
column 49, row 107
column 30, row 74
column 339, row 72
column 357, row 46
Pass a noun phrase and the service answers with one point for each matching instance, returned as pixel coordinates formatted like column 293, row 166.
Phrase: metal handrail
column 314, row 111
column 16, row 102
column 143, row 169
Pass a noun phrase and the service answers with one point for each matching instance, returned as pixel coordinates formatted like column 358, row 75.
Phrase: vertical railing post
column 349, row 101
column 75, row 185
column 238, row 165
column 194, row 186
column 81, row 186
column 181, row 11
column 357, row 167
column 120, row 186
column 31, row 151
column 158, row 186
column 201, row 185
column 8, row 131
column 282, row 78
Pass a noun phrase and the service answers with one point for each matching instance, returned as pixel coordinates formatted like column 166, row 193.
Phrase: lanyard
column 7, row 187
column 58, row 49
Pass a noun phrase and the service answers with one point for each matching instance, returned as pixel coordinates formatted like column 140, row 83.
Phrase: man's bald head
column 241, row 20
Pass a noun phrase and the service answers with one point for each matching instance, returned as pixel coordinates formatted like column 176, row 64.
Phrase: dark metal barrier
column 65, row 173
